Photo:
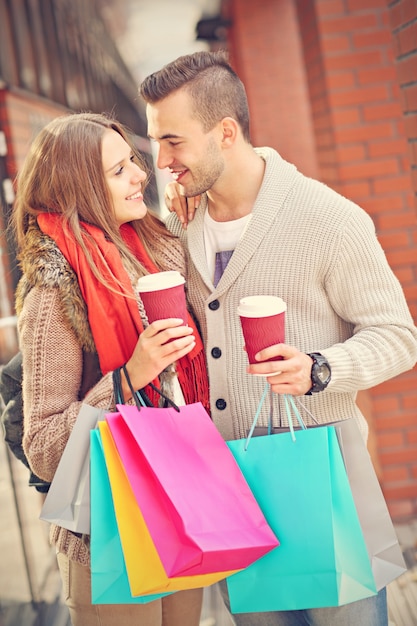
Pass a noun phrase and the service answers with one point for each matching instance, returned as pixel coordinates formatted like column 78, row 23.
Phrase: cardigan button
column 221, row 404
column 216, row 353
column 214, row 305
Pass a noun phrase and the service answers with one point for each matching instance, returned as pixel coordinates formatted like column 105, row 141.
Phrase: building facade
column 56, row 56
column 332, row 85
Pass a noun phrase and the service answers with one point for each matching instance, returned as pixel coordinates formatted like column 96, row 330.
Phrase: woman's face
column 124, row 178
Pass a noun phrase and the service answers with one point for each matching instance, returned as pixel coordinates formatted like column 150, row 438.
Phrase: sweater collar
column 279, row 178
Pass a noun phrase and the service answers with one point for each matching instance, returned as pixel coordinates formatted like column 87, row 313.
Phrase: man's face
column 194, row 158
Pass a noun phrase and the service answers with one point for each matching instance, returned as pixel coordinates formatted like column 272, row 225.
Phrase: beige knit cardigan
column 319, row 252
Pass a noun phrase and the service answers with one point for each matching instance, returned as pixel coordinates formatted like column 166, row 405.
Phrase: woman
column 84, row 237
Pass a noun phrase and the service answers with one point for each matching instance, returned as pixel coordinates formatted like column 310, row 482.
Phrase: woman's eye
column 119, row 170
column 132, row 158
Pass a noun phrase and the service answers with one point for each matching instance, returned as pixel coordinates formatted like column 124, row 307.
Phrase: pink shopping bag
column 197, row 505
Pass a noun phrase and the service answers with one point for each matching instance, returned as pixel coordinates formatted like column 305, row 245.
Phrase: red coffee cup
column 163, row 295
column 263, row 323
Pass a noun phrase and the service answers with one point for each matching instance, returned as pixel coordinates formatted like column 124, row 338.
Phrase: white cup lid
column 261, row 306
column 160, row 280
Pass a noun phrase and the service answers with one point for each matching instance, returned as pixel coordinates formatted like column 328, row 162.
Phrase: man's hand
column 293, row 372
column 176, row 201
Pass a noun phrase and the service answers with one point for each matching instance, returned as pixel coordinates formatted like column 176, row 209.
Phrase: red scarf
column 114, row 319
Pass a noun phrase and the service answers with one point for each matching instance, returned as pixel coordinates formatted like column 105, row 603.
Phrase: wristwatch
column 320, row 373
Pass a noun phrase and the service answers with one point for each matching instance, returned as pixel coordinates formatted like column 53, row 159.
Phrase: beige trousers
column 182, row 608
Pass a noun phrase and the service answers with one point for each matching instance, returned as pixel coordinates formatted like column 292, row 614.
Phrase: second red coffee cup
column 163, row 295
column 263, row 323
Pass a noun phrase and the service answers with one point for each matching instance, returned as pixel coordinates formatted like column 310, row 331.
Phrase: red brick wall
column 266, row 52
column 403, row 22
column 8, row 334
column 21, row 117
column 366, row 133
column 359, row 136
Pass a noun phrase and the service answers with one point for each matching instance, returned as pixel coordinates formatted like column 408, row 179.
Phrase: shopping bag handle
column 289, row 405
column 140, row 396
column 118, row 392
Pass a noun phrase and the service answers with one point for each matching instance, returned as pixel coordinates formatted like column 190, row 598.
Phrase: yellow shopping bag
column 144, row 568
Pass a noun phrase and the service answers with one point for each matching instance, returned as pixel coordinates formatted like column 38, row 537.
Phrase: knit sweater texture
column 319, row 252
column 53, row 332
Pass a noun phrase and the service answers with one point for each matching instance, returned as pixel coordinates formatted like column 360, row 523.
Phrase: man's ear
column 230, row 130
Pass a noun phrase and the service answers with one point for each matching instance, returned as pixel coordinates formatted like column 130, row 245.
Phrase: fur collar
column 43, row 265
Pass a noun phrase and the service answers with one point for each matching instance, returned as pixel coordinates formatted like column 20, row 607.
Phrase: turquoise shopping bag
column 300, row 482
column 109, row 581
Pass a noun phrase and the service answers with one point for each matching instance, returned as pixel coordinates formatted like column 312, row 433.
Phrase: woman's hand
column 163, row 342
column 293, row 369
column 176, row 201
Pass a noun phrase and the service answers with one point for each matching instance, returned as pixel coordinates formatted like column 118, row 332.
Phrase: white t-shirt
column 220, row 240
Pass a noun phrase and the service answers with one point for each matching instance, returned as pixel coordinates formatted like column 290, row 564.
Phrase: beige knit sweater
column 53, row 330
column 318, row 251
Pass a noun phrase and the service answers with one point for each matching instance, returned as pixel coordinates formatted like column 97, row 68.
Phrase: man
column 262, row 228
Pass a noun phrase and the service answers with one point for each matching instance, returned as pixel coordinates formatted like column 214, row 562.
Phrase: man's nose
column 164, row 158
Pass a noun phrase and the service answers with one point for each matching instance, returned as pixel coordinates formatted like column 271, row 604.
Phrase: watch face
column 322, row 372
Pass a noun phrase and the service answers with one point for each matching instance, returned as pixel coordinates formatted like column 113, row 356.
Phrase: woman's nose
column 138, row 173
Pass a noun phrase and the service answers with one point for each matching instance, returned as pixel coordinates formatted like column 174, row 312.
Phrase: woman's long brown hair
column 63, row 173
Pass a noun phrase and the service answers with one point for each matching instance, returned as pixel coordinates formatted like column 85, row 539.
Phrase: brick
column 412, row 437
column 385, row 204
column 381, row 111
column 354, row 60
column 369, row 76
column 401, row 257
column 348, row 23
column 399, row 126
column 387, row 147
column 394, row 14
column 391, row 440
column 410, row 124
column 345, row 116
column 400, row 510
column 358, row 5
column 409, row 98
column 393, row 419
column 360, row 95
column 397, row 184
column 328, row 7
column 337, row 43
column 405, row 492
column 324, row 139
column 395, row 474
column 356, row 191
column 372, row 39
column 396, row 46
column 391, row 241
column 413, row 149
column 354, row 152
column 369, row 169
column 407, row 39
column 407, row 69
column 405, row 275
column 408, row 10
column 381, row 130
column 339, row 80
